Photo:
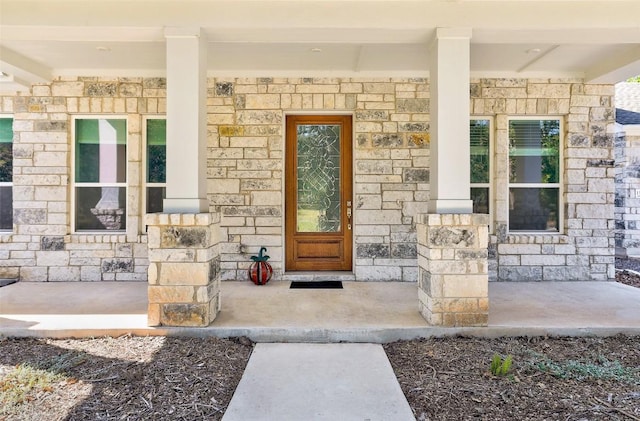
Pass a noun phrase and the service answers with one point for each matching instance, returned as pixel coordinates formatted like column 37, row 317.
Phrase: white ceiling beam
column 225, row 14
column 260, row 34
column 10, row 83
column 22, row 68
column 578, row 36
column 354, row 35
column 84, row 33
column 358, row 61
column 615, row 69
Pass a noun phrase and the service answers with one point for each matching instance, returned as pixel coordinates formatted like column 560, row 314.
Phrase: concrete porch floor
column 361, row 312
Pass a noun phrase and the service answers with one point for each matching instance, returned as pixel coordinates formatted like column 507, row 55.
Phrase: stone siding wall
column 246, row 163
column 627, row 204
column 585, row 250
column 391, row 153
column 42, row 247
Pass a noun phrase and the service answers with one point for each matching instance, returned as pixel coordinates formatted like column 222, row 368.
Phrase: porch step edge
column 319, row 276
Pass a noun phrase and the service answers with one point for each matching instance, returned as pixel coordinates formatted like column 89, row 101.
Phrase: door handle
column 349, row 215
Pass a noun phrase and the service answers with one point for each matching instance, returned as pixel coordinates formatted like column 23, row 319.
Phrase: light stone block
column 389, row 217
column 67, row 89
column 261, row 240
column 379, row 273
column 262, row 101
column 52, row 258
column 171, row 273
column 172, row 255
column 268, row 198
column 64, row 274
column 153, row 314
column 368, row 201
column 465, row 286
column 170, row 294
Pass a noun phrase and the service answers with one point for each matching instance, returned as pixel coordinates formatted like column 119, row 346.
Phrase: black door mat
column 316, row 285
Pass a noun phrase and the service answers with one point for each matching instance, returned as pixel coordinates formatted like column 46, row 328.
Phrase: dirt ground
column 126, row 378
column 550, row 378
column 158, row 378
column 628, row 279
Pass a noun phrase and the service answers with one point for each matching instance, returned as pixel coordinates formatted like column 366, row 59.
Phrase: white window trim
column 490, row 184
column 73, row 183
column 145, row 163
column 559, row 185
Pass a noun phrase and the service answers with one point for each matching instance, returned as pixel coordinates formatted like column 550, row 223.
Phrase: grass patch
column 25, row 382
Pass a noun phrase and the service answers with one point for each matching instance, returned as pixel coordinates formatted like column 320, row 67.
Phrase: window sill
column 95, row 237
column 537, row 238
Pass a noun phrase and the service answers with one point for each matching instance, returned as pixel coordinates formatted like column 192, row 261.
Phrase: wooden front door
column 318, row 184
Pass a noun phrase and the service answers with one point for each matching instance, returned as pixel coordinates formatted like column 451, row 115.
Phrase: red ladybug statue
column 260, row 271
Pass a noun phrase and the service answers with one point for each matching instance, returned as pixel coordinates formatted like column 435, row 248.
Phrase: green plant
column 500, row 367
column 602, row 369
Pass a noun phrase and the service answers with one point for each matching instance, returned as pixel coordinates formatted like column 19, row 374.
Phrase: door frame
column 312, row 113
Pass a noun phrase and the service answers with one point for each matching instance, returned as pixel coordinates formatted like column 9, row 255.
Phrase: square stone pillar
column 453, row 284
column 184, row 268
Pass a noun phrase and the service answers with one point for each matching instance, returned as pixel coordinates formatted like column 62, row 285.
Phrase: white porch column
column 449, row 82
column 186, row 121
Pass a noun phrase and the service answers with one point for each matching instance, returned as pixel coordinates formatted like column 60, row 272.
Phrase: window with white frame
column 534, row 175
column 480, row 164
column 6, row 173
column 100, row 176
column 156, row 164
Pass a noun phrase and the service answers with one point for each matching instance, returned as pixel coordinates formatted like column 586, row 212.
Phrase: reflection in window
column 100, row 174
column 156, row 173
column 6, row 173
column 534, row 175
column 480, row 135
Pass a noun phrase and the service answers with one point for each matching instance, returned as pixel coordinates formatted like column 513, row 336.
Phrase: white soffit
column 599, row 40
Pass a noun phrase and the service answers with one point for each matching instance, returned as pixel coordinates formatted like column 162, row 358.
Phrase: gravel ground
column 628, row 263
column 126, row 378
column 578, row 379
column 624, row 276
column 130, row 378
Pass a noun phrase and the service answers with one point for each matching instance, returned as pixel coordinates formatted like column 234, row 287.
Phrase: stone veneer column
column 184, row 268
column 452, row 259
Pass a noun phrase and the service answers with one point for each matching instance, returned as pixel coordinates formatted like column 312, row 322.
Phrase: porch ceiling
column 43, row 39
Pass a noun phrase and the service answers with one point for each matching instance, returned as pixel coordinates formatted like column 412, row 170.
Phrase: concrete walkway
column 318, row 382
column 373, row 312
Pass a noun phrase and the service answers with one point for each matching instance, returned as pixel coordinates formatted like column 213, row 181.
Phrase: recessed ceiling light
column 316, row 50
column 533, row 50
column 103, row 49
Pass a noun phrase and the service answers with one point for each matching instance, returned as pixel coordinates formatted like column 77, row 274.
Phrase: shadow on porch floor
column 361, row 312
